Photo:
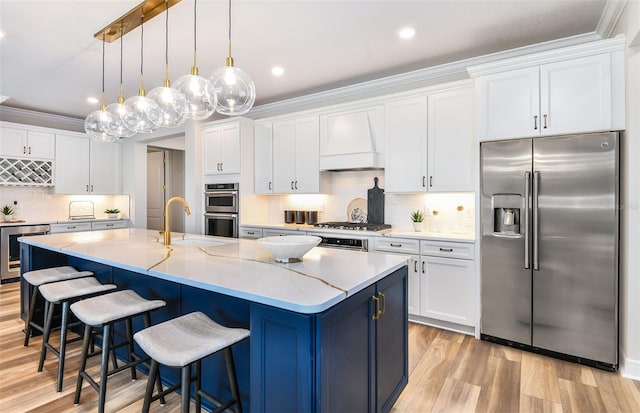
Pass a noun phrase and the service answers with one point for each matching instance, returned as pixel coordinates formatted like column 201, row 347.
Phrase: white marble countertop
column 236, row 267
column 22, row 222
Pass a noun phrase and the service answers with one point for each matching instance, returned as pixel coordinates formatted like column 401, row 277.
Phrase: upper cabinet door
column 284, row 152
column 575, row 95
column 406, row 146
column 72, row 165
column 263, row 159
column 451, row 161
column 507, row 104
column 221, row 146
column 307, row 157
column 104, row 174
column 23, row 143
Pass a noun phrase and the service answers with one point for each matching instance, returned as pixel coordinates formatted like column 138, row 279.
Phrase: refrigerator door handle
column 536, row 224
column 527, row 191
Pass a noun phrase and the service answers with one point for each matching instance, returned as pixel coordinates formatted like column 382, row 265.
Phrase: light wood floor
column 450, row 372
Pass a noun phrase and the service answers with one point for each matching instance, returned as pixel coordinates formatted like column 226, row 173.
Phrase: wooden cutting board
column 375, row 204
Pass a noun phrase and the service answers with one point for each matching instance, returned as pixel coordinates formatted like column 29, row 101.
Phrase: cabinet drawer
column 399, row 245
column 250, row 232
column 109, row 225
column 447, row 249
column 75, row 227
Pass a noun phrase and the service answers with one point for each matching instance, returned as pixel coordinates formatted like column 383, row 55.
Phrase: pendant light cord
column 195, row 29
column 142, row 53
column 229, row 28
column 103, row 42
column 166, row 41
column 121, row 36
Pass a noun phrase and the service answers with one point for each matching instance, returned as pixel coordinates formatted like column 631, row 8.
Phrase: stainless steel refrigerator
column 550, row 245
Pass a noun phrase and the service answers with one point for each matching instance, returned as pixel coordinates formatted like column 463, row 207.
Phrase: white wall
column 629, row 24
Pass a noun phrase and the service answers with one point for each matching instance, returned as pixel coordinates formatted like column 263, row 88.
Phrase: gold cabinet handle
column 545, row 121
column 384, row 304
column 376, row 312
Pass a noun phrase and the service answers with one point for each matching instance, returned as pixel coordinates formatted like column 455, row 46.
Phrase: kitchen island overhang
column 303, row 353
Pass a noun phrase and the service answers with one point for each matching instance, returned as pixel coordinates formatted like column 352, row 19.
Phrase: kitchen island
column 327, row 334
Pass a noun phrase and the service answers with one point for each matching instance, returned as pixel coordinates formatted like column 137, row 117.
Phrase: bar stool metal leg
column 104, row 366
column 83, row 361
column 233, row 381
column 198, row 385
column 46, row 335
column 32, row 310
column 153, row 375
column 186, row 384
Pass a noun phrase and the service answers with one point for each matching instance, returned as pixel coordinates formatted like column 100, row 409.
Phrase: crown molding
column 613, row 9
column 48, row 120
column 429, row 76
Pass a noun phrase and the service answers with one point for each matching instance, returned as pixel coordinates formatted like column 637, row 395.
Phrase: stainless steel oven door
column 221, row 225
column 10, row 247
column 221, row 201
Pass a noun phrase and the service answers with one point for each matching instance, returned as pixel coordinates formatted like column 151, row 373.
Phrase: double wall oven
column 221, row 206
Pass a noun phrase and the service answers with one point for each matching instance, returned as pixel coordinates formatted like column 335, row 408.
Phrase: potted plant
column 112, row 213
column 7, row 213
column 417, row 217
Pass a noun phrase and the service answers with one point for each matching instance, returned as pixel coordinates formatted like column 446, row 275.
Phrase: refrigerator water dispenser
column 506, row 213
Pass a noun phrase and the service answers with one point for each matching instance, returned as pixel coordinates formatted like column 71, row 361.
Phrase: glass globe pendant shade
column 172, row 104
column 198, row 92
column 119, row 111
column 143, row 114
column 99, row 125
column 234, row 89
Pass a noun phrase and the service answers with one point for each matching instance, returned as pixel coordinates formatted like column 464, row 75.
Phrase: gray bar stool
column 39, row 277
column 103, row 312
column 65, row 292
column 183, row 342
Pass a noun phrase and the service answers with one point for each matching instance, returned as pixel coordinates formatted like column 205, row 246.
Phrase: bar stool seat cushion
column 64, row 290
column 49, row 275
column 183, row 340
column 113, row 307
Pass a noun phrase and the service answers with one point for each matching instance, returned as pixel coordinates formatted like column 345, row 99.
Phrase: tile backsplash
column 40, row 204
column 456, row 211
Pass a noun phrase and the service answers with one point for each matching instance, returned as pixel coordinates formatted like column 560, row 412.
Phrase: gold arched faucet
column 167, row 229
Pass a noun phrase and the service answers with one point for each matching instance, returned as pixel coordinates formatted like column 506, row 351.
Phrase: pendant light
column 233, row 87
column 99, row 123
column 172, row 103
column 119, row 110
column 198, row 91
column 145, row 115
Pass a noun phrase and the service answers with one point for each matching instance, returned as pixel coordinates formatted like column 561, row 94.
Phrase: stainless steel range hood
column 352, row 140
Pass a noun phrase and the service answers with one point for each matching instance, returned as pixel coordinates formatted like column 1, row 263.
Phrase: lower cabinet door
column 447, row 290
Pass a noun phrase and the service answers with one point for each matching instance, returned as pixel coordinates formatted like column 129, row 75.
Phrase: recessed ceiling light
column 92, row 100
column 277, row 71
column 407, row 32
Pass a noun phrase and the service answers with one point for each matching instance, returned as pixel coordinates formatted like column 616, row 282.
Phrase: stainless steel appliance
column 221, row 198
column 343, row 241
column 353, row 226
column 550, row 245
column 10, row 248
column 221, row 210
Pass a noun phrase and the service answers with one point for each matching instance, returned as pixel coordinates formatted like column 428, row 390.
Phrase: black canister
column 299, row 217
column 289, row 217
column 311, row 217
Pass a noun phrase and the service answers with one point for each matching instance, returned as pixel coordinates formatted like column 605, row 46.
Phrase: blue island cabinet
column 350, row 358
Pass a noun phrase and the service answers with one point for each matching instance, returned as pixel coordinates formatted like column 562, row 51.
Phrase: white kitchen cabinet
column 296, row 156
column 115, row 224
column 430, row 142
column 447, row 284
column 250, row 232
column 221, row 146
column 263, row 159
column 84, row 166
column 450, row 141
column 570, row 96
column 26, row 143
column 273, row 232
column 69, row 227
column 406, row 145
column 409, row 248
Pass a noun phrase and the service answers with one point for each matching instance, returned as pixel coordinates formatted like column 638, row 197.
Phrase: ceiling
column 50, row 62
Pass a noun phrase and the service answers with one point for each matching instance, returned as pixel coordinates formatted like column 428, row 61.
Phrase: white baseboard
column 629, row 368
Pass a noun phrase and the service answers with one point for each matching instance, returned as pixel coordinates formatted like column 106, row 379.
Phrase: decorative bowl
column 289, row 248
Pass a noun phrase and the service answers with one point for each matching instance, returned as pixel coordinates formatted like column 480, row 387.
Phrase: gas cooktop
column 354, row 226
